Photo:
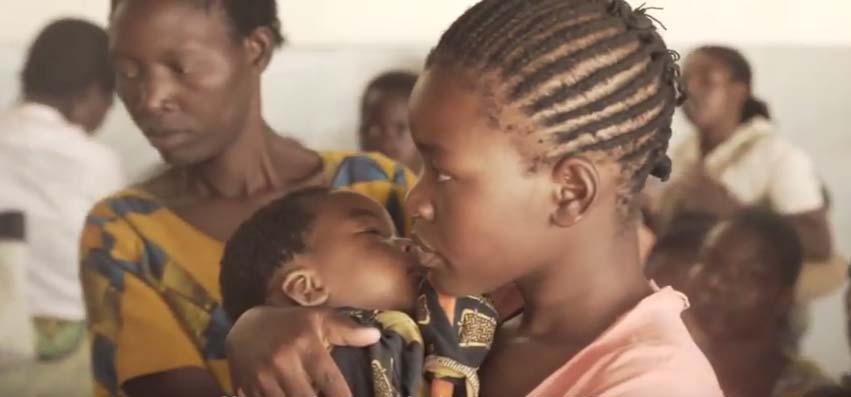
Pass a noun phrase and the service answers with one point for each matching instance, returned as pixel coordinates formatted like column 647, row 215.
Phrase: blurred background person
column 384, row 118
column 53, row 171
column 741, row 282
column 736, row 159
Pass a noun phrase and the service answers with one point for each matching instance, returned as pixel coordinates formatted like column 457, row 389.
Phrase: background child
column 742, row 288
column 384, row 126
column 317, row 248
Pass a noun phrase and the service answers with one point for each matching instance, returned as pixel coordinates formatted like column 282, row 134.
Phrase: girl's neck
column 576, row 299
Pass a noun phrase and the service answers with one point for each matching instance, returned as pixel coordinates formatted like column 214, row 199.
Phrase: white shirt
column 757, row 167
column 54, row 172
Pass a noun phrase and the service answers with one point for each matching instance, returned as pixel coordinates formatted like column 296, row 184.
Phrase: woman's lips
column 168, row 140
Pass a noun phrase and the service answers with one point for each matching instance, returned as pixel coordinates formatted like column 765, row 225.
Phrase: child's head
column 538, row 123
column 318, row 248
column 678, row 249
column 745, row 278
column 719, row 84
column 384, row 126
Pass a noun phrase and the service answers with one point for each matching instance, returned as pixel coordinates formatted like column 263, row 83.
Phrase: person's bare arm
column 814, row 233
column 181, row 382
column 276, row 352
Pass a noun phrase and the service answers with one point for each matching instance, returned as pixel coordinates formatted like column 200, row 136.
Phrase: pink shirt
column 648, row 352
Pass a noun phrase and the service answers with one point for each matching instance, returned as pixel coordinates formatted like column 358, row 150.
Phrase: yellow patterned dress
column 151, row 279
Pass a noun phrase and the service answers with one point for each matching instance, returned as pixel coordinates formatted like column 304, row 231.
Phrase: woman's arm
column 181, row 382
column 814, row 233
column 284, row 351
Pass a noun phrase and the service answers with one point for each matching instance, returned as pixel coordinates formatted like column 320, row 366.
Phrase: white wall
column 420, row 22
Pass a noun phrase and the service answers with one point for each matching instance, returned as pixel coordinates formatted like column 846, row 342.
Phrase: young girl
column 538, row 123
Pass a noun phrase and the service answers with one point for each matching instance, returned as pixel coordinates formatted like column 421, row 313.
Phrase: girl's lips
column 427, row 257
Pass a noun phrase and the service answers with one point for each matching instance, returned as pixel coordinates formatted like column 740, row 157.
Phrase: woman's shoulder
column 348, row 168
column 129, row 200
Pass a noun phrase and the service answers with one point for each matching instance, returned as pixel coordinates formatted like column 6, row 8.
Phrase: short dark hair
column 66, row 58
column 778, row 241
column 399, row 82
column 263, row 244
column 245, row 16
column 591, row 75
column 740, row 71
column 682, row 239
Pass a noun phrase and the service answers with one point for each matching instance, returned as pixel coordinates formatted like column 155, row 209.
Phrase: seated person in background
column 384, row 118
column 677, row 249
column 53, row 170
column 742, row 290
column 339, row 249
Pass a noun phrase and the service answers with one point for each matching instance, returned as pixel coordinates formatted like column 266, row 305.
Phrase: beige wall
column 420, row 22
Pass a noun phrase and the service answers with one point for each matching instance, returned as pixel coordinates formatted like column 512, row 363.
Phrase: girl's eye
column 441, row 177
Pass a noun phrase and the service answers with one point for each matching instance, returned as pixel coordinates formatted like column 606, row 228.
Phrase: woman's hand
column 284, row 352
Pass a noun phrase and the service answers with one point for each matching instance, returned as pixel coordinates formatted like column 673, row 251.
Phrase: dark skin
column 193, row 88
column 557, row 231
column 385, row 128
column 715, row 108
column 483, row 220
column 350, row 228
column 739, row 300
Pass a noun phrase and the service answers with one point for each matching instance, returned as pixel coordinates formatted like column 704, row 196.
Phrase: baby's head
column 318, row 247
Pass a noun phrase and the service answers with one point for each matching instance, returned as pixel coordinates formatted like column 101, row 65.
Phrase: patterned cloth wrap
column 437, row 355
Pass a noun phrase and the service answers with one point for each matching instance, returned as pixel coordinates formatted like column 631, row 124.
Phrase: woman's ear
column 305, row 287
column 576, row 184
column 260, row 45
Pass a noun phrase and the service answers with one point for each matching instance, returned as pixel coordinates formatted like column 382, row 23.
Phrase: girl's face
column 713, row 97
column 480, row 214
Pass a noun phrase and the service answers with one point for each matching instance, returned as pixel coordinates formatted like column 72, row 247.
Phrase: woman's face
column 713, row 97
column 186, row 81
column 482, row 216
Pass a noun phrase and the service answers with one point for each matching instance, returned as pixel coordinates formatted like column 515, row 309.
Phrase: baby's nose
column 404, row 244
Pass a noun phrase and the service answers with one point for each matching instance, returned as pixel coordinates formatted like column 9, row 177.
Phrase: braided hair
column 590, row 75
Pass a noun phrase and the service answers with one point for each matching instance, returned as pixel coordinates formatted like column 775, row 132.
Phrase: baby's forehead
column 345, row 204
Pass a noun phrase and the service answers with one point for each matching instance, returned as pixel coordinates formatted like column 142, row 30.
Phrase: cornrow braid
column 591, row 76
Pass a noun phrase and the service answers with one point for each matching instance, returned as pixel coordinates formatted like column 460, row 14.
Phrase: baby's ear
column 305, row 287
